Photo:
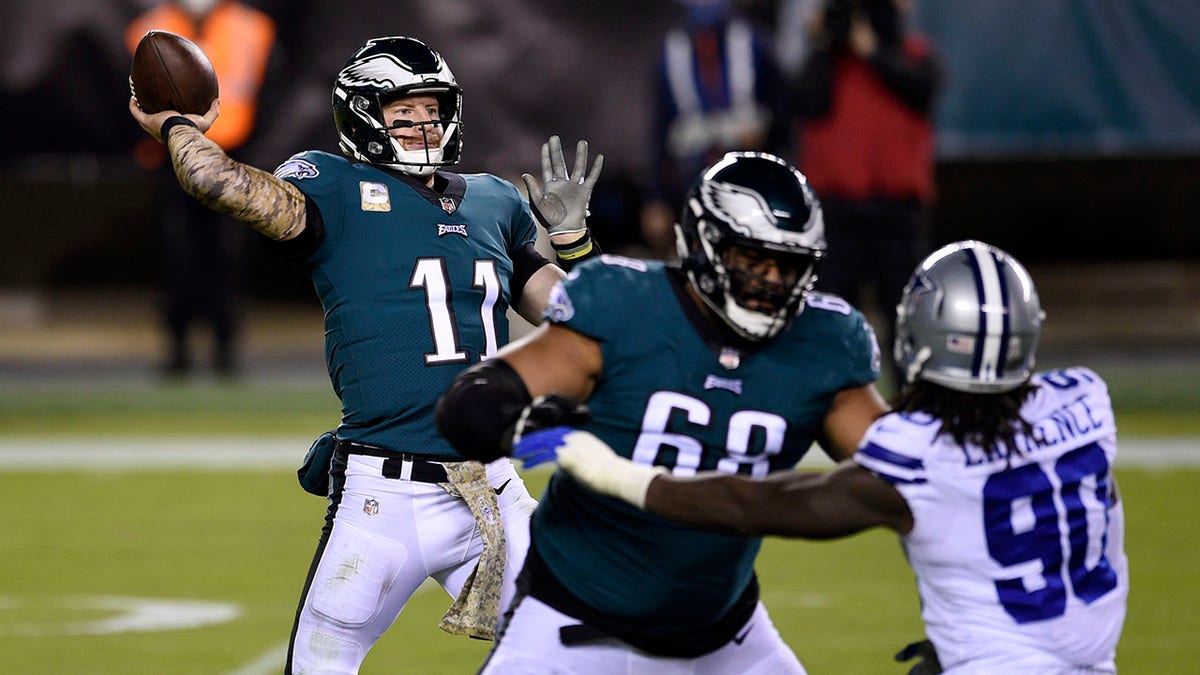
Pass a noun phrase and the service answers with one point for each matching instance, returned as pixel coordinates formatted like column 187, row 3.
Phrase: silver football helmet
column 969, row 320
column 379, row 72
column 750, row 237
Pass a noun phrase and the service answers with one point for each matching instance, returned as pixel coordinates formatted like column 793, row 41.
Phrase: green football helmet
column 750, row 237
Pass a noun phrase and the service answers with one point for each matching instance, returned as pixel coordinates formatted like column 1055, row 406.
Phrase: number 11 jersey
column 415, row 285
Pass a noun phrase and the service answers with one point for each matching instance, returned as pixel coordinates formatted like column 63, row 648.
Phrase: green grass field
column 245, row 538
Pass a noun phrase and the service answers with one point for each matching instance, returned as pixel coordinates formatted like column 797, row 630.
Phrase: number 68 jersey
column 673, row 393
column 1019, row 557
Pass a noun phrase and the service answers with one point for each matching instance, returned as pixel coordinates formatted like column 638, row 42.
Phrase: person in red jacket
column 865, row 97
column 202, row 250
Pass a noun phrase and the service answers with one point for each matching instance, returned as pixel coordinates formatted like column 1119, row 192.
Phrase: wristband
column 594, row 464
column 171, row 123
column 577, row 251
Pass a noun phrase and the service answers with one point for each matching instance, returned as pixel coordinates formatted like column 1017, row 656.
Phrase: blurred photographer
column 865, row 98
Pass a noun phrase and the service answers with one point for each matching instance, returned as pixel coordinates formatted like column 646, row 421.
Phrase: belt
column 401, row 466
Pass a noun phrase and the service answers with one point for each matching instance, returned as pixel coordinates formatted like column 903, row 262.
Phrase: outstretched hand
column 590, row 461
column 540, row 447
column 560, row 203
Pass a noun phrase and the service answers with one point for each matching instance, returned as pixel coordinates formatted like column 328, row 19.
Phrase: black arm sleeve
column 476, row 411
column 309, row 240
column 526, row 261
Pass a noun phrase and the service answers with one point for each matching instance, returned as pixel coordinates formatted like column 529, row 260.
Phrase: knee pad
column 351, row 580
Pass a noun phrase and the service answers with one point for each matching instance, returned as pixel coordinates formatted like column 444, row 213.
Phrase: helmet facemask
column 750, row 239
column 757, row 291
column 425, row 160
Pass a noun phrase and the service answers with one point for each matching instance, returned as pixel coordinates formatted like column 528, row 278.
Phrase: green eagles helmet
column 750, row 237
column 381, row 71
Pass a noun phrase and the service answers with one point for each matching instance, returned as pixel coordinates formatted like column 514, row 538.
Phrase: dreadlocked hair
column 989, row 421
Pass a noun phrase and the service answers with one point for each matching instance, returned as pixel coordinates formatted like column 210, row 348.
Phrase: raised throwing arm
column 268, row 205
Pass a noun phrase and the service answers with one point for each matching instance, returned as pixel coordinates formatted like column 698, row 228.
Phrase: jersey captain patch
column 374, row 196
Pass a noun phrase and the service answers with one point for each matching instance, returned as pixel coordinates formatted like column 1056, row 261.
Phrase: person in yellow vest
column 202, row 250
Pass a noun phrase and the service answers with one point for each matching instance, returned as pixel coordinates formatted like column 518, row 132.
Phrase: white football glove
column 589, row 460
column 560, row 204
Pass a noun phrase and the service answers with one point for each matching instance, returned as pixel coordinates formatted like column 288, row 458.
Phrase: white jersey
column 1019, row 557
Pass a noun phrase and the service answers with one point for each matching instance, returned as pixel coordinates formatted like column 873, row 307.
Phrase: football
column 170, row 72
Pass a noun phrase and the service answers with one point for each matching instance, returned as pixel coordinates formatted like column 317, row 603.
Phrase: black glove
column 927, row 658
column 545, row 411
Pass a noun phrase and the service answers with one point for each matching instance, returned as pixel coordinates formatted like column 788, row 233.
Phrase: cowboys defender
column 998, row 479
column 728, row 363
column 415, row 268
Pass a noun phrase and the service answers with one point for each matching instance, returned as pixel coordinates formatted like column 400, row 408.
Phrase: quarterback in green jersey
column 415, row 268
column 726, row 363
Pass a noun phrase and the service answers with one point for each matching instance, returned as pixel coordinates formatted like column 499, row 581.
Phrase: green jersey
column 414, row 284
column 673, row 392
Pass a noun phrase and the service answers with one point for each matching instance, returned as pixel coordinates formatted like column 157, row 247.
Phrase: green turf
column 184, row 409
column 844, row 606
column 247, row 538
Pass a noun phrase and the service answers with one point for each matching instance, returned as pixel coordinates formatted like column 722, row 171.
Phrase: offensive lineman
column 999, row 480
column 415, row 268
column 729, row 364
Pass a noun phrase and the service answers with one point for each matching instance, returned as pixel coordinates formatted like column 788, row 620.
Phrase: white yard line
column 270, row 661
column 270, row 454
column 150, row 454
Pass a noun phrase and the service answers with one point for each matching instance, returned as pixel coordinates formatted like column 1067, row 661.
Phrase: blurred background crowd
column 1065, row 131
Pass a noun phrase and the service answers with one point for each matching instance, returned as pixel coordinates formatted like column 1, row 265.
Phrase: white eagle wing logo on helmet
column 745, row 210
column 379, row 70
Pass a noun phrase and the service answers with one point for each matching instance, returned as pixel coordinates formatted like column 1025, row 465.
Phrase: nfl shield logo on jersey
column 730, row 358
column 371, row 506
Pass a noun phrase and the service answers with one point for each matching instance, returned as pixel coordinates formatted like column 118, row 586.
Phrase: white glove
column 594, row 464
column 561, row 203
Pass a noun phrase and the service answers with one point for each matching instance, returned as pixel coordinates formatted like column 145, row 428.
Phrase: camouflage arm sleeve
column 268, row 205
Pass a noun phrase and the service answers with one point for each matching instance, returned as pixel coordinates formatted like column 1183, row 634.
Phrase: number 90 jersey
column 670, row 395
column 1019, row 557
